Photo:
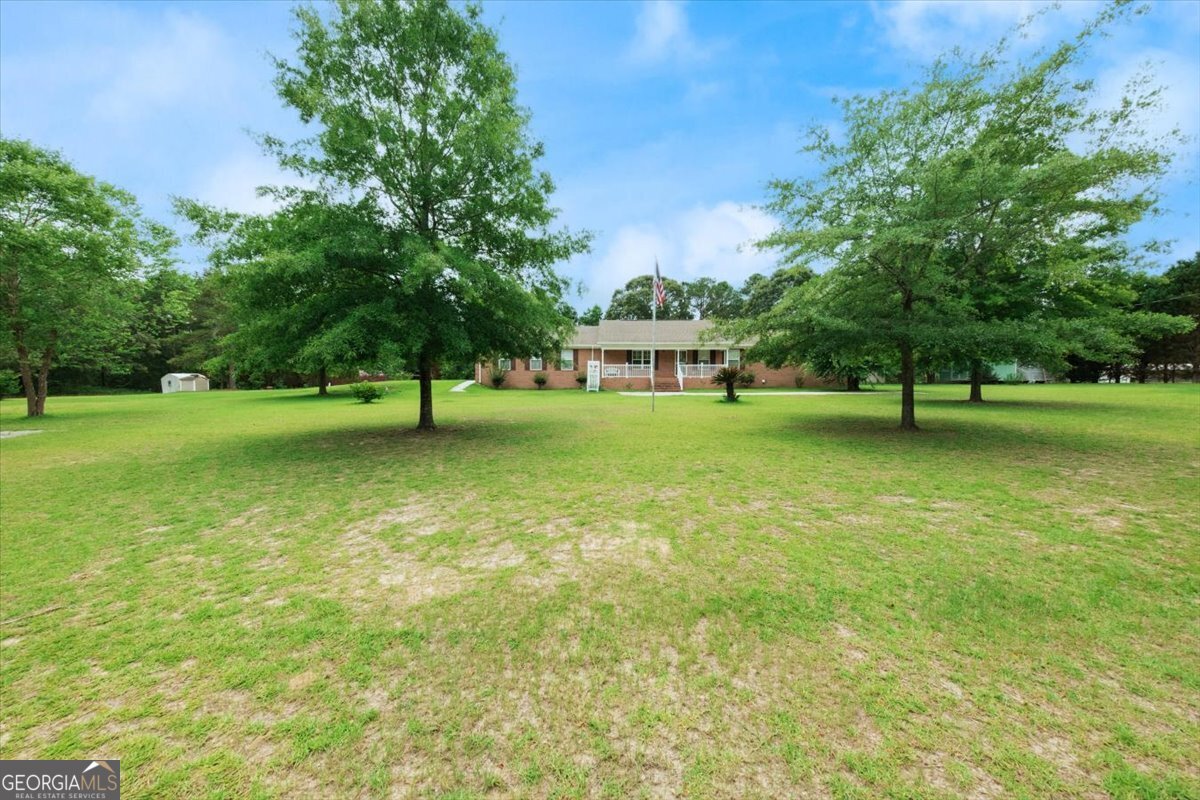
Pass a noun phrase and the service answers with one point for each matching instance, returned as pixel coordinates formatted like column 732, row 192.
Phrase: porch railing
column 697, row 370
column 625, row 371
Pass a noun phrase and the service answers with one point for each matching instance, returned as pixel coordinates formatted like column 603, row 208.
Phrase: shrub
column 366, row 392
column 540, row 379
column 730, row 377
column 581, row 379
column 497, row 376
column 799, row 380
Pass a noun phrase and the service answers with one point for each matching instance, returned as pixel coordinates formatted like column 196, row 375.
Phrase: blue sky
column 662, row 121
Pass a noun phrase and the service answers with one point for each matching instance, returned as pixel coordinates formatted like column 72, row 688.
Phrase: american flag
column 660, row 292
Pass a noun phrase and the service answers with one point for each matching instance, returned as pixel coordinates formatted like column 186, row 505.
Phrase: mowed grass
column 270, row 594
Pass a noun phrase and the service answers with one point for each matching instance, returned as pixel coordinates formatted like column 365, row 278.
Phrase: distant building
column 1009, row 373
column 184, row 382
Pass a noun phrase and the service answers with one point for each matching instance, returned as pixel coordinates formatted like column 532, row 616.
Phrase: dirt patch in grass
column 500, row 556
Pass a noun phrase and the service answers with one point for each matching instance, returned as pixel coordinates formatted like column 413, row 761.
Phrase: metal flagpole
column 653, row 331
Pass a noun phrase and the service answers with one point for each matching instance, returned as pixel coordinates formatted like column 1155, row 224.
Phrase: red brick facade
column 520, row 376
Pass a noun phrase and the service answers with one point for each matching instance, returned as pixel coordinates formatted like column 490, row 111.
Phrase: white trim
column 541, row 363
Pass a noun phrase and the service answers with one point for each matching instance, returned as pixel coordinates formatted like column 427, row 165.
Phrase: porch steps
column 666, row 385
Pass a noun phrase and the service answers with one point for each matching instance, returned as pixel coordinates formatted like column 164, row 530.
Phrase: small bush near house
column 800, row 381
column 540, row 379
column 746, row 379
column 497, row 377
column 365, row 392
column 581, row 379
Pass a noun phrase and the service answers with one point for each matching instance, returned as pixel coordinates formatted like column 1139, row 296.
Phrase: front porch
column 672, row 369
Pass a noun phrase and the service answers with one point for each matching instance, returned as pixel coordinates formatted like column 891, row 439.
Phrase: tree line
column 978, row 216
column 703, row 298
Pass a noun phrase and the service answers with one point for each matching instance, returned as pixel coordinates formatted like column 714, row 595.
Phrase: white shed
column 184, row 382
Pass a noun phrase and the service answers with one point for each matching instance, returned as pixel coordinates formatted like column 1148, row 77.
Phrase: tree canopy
column 420, row 127
column 975, row 216
column 634, row 299
column 69, row 245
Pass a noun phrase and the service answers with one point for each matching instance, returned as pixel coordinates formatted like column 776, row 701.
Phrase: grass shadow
column 1048, row 405
column 401, row 446
column 1008, row 441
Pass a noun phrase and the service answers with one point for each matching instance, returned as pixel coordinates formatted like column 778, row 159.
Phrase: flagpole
column 653, row 332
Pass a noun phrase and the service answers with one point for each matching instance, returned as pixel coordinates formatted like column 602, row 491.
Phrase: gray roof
column 183, row 376
column 669, row 333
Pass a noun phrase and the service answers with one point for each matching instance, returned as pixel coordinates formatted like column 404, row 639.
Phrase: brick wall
column 521, row 376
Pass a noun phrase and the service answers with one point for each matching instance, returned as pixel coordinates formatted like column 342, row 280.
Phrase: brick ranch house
column 679, row 359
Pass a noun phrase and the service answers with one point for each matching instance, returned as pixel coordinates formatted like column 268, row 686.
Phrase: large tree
column 293, row 276
column 1176, row 292
column 592, row 316
column 419, row 125
column 881, row 212
column 634, row 300
column 712, row 299
column 200, row 346
column 69, row 246
column 976, row 216
column 761, row 293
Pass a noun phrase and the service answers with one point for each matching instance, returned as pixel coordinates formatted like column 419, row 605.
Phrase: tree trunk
column 908, row 378
column 976, row 383
column 322, row 379
column 729, row 395
column 27, row 382
column 230, row 377
column 853, row 383
column 425, row 377
column 43, row 378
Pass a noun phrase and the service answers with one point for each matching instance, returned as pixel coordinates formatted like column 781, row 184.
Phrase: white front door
column 593, row 375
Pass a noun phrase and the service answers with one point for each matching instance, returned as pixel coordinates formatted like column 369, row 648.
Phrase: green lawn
column 270, row 594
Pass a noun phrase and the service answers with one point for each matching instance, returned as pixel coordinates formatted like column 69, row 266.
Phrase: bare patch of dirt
column 246, row 517
column 895, row 499
column 417, row 517
column 1058, row 752
column 498, row 557
column 414, row 582
column 936, row 773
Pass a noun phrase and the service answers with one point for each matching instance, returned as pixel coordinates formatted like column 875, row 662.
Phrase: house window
column 703, row 356
column 566, row 360
column 504, row 363
column 639, row 358
column 733, row 358
column 535, row 363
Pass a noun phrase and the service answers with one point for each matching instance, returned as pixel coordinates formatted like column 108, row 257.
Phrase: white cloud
column 702, row 242
column 928, row 28
column 233, row 183
column 662, row 34
column 185, row 61
column 1179, row 79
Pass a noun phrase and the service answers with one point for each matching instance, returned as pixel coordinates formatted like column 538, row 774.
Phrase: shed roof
column 184, row 375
